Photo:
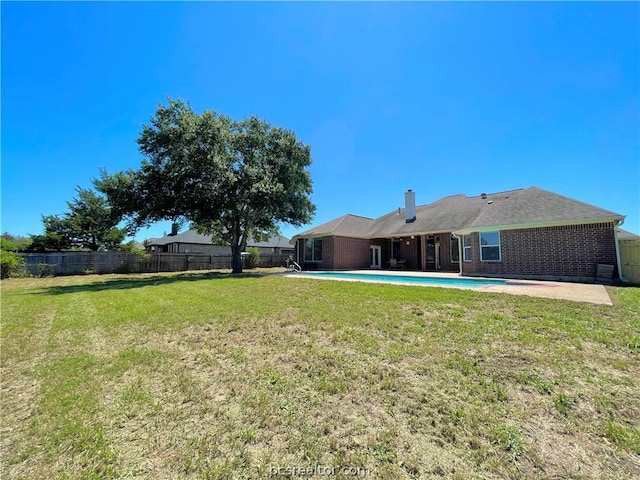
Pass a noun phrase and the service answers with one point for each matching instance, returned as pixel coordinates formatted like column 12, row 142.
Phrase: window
column 455, row 252
column 490, row 247
column 466, row 248
column 313, row 250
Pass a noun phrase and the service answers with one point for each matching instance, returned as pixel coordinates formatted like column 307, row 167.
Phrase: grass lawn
column 219, row 376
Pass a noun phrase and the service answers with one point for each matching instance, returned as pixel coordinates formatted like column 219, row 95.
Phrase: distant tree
column 14, row 243
column 231, row 179
column 92, row 223
column 56, row 237
column 89, row 224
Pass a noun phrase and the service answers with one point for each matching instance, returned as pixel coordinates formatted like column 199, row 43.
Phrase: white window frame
column 482, row 247
column 377, row 256
column 313, row 250
column 451, row 242
column 466, row 249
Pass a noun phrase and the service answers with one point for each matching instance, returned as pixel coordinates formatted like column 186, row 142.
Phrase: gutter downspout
column 618, row 261
column 459, row 250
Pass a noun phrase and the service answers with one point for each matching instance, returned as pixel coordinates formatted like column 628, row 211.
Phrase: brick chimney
column 410, row 206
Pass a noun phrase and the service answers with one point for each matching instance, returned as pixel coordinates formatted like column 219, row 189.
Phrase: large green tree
column 90, row 223
column 230, row 179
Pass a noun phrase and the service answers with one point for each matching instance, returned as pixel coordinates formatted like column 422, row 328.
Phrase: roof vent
column 483, row 195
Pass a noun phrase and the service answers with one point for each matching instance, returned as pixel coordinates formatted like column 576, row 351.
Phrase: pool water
column 405, row 279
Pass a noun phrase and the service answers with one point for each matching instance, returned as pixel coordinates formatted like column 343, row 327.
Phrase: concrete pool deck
column 575, row 292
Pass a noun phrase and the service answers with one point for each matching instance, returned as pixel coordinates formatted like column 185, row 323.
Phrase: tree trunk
column 238, row 244
column 236, row 259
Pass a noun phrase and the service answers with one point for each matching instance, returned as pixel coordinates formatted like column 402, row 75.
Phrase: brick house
column 194, row 242
column 524, row 233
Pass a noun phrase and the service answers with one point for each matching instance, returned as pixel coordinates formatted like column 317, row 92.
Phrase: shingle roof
column 535, row 205
column 188, row 236
column 521, row 207
column 191, row 236
column 347, row 226
column 445, row 215
column 626, row 235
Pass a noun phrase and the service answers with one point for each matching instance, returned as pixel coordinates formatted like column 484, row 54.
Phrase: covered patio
column 436, row 252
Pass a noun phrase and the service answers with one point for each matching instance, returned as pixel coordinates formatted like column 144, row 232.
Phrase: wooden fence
column 630, row 260
column 77, row 263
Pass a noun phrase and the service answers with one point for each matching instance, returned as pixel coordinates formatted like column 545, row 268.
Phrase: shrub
column 9, row 245
column 11, row 262
column 132, row 247
column 14, row 243
column 46, row 269
column 253, row 259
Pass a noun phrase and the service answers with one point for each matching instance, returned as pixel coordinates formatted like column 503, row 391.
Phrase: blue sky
column 442, row 98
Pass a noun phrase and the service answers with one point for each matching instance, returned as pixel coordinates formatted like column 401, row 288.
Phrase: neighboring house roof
column 188, row 236
column 193, row 237
column 520, row 208
column 277, row 242
column 625, row 235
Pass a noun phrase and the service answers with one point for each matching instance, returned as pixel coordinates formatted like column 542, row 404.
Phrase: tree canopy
column 90, row 224
column 230, row 179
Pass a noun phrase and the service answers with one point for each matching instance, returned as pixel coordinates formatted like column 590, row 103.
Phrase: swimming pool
column 404, row 279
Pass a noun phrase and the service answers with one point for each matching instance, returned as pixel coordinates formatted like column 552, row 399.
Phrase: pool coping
column 575, row 292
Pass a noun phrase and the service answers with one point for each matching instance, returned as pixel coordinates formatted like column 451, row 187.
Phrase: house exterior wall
column 338, row 253
column 274, row 250
column 198, row 248
column 569, row 252
column 561, row 252
column 410, row 253
column 180, row 247
column 351, row 253
column 327, row 254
